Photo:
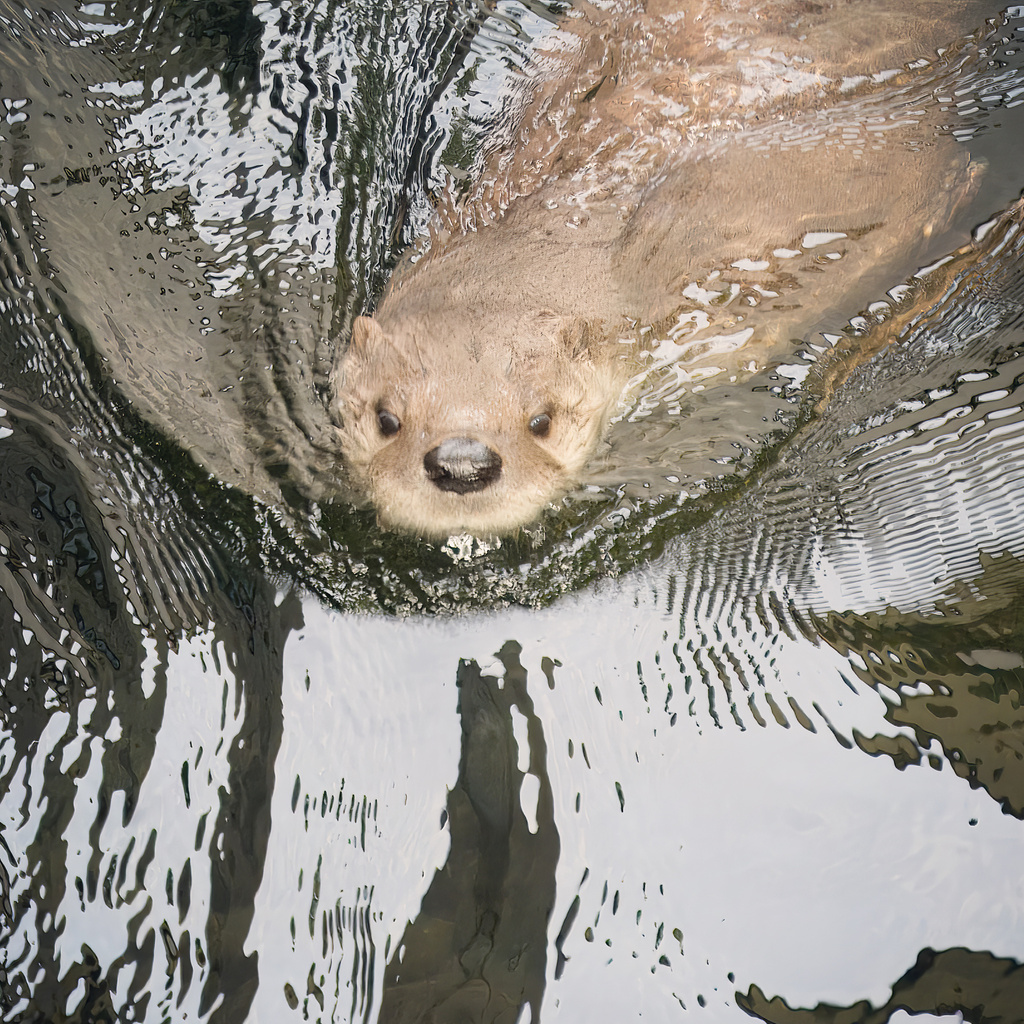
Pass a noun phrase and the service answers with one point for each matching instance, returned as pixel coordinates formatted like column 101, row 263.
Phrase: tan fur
column 662, row 175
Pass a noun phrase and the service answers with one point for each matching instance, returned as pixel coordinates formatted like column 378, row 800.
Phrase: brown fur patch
column 673, row 172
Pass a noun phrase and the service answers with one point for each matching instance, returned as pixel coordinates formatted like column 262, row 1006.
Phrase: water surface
column 734, row 731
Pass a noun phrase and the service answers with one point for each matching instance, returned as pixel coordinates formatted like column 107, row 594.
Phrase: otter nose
column 462, row 465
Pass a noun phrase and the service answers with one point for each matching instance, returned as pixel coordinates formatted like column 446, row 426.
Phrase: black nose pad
column 462, row 465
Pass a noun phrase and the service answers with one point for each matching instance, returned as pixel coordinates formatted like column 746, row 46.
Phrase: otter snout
column 462, row 465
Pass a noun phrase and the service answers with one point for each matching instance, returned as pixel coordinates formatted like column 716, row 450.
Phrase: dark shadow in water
column 477, row 951
column 984, row 988
column 59, row 569
column 956, row 677
column 223, row 36
column 238, row 845
column 67, row 577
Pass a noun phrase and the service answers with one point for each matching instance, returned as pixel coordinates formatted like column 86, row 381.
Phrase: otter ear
column 354, row 358
column 366, row 336
column 367, row 339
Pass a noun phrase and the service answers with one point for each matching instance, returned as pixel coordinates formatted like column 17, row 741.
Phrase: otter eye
column 540, row 424
column 388, row 422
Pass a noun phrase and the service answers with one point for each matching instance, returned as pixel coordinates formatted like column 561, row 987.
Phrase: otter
column 713, row 180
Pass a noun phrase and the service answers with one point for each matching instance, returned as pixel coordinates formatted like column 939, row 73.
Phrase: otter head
column 464, row 428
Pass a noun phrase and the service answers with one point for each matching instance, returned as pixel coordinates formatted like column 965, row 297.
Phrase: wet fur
column 642, row 168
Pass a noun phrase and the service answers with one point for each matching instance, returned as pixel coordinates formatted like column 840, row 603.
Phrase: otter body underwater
column 676, row 166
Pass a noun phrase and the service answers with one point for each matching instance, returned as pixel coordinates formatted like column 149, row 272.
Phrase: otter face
column 474, row 432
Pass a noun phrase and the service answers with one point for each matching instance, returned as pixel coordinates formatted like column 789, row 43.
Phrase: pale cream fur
column 667, row 159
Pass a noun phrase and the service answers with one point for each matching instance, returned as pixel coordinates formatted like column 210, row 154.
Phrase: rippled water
column 736, row 729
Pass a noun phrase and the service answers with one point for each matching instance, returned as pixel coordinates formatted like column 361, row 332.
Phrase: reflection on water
column 477, row 948
column 774, row 770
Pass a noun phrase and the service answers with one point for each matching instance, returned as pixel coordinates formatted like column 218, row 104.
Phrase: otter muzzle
column 461, row 465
